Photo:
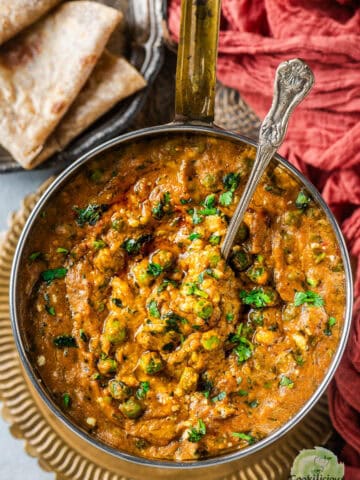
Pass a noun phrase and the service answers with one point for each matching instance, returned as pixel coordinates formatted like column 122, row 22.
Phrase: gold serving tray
column 61, row 451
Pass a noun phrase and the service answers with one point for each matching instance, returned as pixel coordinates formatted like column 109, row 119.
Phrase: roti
column 112, row 80
column 43, row 70
column 15, row 15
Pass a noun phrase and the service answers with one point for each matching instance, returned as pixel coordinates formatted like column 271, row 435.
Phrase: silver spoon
column 293, row 82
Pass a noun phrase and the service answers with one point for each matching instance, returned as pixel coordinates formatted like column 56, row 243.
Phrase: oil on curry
column 141, row 332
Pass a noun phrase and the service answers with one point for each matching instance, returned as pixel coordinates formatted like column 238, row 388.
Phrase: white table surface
column 15, row 464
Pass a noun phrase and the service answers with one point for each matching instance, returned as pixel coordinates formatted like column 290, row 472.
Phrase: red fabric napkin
column 324, row 135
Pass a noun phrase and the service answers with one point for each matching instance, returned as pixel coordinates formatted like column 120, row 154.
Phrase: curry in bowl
column 139, row 330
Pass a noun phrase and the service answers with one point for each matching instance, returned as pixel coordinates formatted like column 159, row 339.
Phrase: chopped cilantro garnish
column 256, row 298
column 90, row 214
column 231, row 181
column 193, row 289
column 153, row 309
column 196, row 434
column 219, row 397
column 244, row 347
column 244, row 436
column 208, row 211
column 302, row 200
column 253, row 403
column 34, row 256
column 194, row 236
column 209, row 201
column 52, row 274
column 214, row 239
column 133, row 245
column 162, row 207
column 154, row 269
column 64, row 341
column 99, row 244
column 286, row 382
column 331, row 322
column 83, row 335
column 205, row 385
column 196, row 218
column 185, row 201
column 229, row 317
column 66, row 399
column 309, row 298
column 50, row 310
column 299, row 360
column 117, row 302
column 62, row 250
column 172, row 321
column 165, row 283
column 226, row 198
column 243, row 393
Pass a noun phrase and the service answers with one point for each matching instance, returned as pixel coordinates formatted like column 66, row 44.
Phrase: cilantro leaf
column 219, row 397
column 309, row 298
column 133, row 245
column 214, row 239
column 66, row 399
column 49, row 275
column 243, row 347
column 99, row 244
column 34, row 256
column 154, row 269
column 90, row 214
column 117, row 302
column 256, row 298
column 209, row 201
column 244, row 436
column 231, row 181
column 153, row 309
column 193, row 289
column 196, row 434
column 302, row 200
column 64, row 341
column 165, row 283
column 194, row 236
column 286, row 382
column 162, row 207
column 226, row 198
column 62, row 250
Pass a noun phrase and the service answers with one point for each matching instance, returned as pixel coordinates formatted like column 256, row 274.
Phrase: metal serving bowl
column 194, row 116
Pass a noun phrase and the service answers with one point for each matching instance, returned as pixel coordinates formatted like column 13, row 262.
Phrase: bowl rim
column 35, row 379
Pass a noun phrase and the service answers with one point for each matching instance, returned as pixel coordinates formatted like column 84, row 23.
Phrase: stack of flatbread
column 56, row 76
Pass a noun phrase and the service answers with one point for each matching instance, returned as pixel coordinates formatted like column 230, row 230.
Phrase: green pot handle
column 196, row 60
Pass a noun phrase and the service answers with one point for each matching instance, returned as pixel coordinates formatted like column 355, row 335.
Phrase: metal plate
column 140, row 39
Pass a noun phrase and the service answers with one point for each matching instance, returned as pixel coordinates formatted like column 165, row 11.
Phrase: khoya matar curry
column 141, row 332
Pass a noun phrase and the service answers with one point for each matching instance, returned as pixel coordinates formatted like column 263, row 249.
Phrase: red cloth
column 324, row 135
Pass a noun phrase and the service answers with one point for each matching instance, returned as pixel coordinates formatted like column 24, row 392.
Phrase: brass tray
column 62, row 452
column 140, row 39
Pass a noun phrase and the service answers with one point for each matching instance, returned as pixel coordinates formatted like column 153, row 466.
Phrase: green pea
column 204, row 309
column 119, row 390
column 240, row 260
column 115, row 331
column 151, row 363
column 132, row 408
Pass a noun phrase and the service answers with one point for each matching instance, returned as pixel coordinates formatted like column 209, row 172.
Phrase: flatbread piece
column 112, row 80
column 15, row 15
column 43, row 70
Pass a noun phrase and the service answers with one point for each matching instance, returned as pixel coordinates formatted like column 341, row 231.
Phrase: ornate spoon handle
column 293, row 82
